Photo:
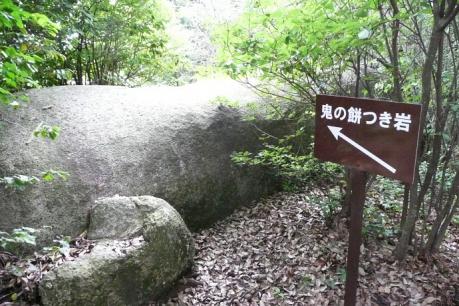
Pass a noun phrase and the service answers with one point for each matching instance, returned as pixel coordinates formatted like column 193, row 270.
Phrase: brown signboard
column 377, row 136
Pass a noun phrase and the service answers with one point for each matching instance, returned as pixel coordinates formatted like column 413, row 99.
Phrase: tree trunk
column 443, row 14
column 443, row 219
column 395, row 62
column 79, row 63
column 415, row 201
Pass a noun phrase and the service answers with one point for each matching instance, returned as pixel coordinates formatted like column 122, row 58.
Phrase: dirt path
column 279, row 252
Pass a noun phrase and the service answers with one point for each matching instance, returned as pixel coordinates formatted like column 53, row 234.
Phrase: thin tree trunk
column 414, row 204
column 441, row 234
column 443, row 219
column 346, row 202
column 443, row 13
column 396, row 75
column 406, row 198
column 79, row 63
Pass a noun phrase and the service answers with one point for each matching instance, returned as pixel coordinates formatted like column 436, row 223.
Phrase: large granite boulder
column 145, row 247
column 171, row 142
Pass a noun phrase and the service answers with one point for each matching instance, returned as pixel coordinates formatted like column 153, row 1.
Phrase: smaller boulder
column 143, row 247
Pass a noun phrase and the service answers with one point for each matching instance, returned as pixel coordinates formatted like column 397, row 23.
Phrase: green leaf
column 19, row 182
column 46, row 131
column 50, row 175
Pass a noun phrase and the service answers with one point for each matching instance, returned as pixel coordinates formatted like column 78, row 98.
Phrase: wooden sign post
column 366, row 135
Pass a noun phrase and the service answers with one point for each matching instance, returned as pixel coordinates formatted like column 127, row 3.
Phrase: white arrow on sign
column 336, row 131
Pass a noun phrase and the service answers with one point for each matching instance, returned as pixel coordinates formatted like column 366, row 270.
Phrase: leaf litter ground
column 280, row 252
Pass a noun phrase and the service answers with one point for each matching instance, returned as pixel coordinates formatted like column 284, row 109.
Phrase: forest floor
column 281, row 252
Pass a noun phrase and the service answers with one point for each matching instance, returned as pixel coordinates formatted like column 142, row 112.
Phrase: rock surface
column 158, row 248
column 169, row 142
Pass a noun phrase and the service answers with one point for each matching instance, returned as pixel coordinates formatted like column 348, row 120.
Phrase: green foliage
column 21, row 182
column 297, row 49
column 21, row 41
column 306, row 281
column 383, row 205
column 295, row 169
column 278, row 292
column 389, row 194
column 338, row 279
column 51, row 175
column 24, row 45
column 329, row 204
column 46, row 131
column 17, row 238
column 455, row 220
column 122, row 42
column 298, row 44
column 61, row 246
column 376, row 223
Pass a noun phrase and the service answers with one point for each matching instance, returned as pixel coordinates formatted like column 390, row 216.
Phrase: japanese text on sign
column 355, row 115
column 376, row 136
